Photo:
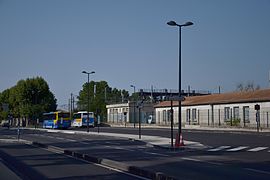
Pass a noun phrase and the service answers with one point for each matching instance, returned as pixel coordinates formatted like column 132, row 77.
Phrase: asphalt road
column 209, row 138
column 186, row 163
column 23, row 161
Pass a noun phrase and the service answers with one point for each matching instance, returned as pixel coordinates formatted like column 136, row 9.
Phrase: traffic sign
column 176, row 98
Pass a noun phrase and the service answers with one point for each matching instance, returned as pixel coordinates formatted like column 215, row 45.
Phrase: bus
column 56, row 120
column 80, row 119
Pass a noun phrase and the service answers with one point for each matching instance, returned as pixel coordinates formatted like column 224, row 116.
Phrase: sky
column 128, row 42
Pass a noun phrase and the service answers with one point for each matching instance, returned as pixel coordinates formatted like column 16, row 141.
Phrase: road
column 211, row 163
column 24, row 161
column 209, row 138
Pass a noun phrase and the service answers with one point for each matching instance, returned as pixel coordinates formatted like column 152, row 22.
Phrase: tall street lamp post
column 88, row 98
column 133, row 105
column 173, row 23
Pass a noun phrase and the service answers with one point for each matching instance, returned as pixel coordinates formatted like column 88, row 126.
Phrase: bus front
column 77, row 120
column 63, row 120
column 49, row 120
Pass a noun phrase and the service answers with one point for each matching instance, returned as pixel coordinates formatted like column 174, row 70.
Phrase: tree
column 100, row 94
column 29, row 98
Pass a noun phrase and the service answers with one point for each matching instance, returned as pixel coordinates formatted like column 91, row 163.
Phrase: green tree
column 100, row 94
column 29, row 98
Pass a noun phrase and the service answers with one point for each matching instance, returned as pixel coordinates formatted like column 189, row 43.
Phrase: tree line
column 31, row 97
column 28, row 99
column 100, row 94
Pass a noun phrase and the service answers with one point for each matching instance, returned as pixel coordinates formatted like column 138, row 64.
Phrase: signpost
column 171, row 114
column 98, row 122
column 257, row 108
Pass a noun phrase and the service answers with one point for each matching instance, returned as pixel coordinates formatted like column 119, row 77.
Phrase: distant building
column 228, row 109
column 129, row 112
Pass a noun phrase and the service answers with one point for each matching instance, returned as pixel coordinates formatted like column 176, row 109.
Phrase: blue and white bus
column 80, row 119
column 56, row 120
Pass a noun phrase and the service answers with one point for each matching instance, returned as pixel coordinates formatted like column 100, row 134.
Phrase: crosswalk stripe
column 237, row 148
column 257, row 149
column 219, row 148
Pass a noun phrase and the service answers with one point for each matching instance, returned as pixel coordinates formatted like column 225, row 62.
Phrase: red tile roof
column 226, row 98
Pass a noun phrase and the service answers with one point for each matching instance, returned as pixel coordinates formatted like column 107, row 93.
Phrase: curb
column 110, row 163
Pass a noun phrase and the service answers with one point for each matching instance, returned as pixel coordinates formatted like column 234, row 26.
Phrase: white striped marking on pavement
column 219, row 148
column 257, row 149
column 158, row 154
column 237, row 148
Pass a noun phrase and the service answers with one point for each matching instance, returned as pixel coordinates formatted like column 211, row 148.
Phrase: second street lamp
column 173, row 23
column 88, row 97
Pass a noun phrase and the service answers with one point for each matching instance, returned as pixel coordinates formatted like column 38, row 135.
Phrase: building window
column 236, row 112
column 168, row 115
column 227, row 114
column 194, row 115
column 246, row 114
column 188, row 115
column 164, row 116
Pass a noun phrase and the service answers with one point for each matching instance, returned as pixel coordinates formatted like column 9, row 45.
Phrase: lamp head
column 172, row 23
column 188, row 24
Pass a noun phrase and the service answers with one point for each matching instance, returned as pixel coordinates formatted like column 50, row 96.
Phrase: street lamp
column 134, row 105
column 173, row 23
column 88, row 101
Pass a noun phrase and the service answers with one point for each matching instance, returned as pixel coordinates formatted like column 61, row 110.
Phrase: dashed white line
column 219, row 148
column 237, row 149
column 158, row 154
column 258, row 171
column 257, row 149
column 192, row 159
column 201, row 161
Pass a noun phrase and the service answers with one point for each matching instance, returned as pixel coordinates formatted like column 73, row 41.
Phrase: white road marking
column 158, row 154
column 258, row 171
column 201, row 161
column 192, row 159
column 219, row 148
column 257, row 149
column 71, row 140
column 237, row 149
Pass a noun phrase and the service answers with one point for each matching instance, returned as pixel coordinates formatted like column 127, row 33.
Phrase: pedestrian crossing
column 239, row 148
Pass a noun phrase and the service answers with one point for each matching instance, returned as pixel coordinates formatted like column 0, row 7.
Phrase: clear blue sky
column 128, row 42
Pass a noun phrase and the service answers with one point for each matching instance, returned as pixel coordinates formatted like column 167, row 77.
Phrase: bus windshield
column 77, row 116
column 63, row 115
column 49, row 116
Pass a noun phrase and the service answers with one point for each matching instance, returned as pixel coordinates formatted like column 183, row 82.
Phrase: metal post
column 267, row 119
column 218, row 117
column 257, row 119
column 171, row 123
column 179, row 91
column 231, row 117
column 134, row 114
column 18, row 130
column 88, row 98
column 88, row 102
column 172, row 23
column 139, row 122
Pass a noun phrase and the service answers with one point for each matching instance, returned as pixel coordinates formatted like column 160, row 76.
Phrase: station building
column 130, row 112
column 228, row 109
